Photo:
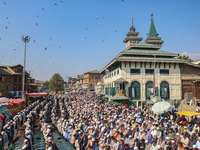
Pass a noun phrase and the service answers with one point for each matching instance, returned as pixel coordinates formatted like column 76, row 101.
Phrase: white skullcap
column 173, row 141
column 158, row 146
column 146, row 141
column 194, row 146
column 135, row 148
column 50, row 148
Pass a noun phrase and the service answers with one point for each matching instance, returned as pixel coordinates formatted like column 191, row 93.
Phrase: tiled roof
column 3, row 72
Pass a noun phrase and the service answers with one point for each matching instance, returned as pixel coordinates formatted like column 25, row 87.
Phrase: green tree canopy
column 185, row 58
column 56, row 82
column 46, row 85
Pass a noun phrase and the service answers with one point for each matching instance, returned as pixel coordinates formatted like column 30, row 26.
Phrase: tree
column 69, row 79
column 46, row 85
column 56, row 83
column 185, row 58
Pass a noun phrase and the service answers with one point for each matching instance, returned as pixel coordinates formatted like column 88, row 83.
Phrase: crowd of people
column 89, row 123
column 10, row 128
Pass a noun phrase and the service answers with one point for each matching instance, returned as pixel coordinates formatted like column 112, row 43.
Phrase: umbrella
column 73, row 91
column 14, row 101
column 161, row 107
column 3, row 99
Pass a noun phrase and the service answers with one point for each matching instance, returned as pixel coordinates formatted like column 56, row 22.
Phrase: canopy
column 36, row 94
column 14, row 101
column 3, row 99
column 161, row 107
column 188, row 113
column 73, row 91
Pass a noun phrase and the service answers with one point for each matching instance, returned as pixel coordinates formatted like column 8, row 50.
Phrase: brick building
column 91, row 78
column 11, row 80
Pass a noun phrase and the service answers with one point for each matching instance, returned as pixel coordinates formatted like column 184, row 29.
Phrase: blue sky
column 78, row 42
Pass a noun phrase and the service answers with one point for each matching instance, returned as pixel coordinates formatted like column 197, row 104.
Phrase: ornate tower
column 132, row 37
column 153, row 37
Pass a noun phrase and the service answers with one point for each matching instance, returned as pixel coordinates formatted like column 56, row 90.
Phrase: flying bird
column 7, row 18
column 37, row 16
column 97, row 17
column 45, row 48
column 4, row 3
column 42, row 8
column 55, row 4
column 6, row 27
column 61, row 1
column 59, row 46
column 33, row 41
column 36, row 23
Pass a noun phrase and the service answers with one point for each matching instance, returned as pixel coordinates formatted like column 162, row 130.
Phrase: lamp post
column 25, row 39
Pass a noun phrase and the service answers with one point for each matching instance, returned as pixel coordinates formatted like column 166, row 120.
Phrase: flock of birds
column 37, row 24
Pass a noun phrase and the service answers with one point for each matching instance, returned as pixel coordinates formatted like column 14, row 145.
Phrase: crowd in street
column 89, row 123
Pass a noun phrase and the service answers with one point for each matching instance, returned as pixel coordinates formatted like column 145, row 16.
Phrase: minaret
column 132, row 37
column 153, row 37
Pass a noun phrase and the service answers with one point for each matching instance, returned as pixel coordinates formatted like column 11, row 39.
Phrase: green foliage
column 56, row 83
column 46, row 84
column 185, row 58
column 69, row 79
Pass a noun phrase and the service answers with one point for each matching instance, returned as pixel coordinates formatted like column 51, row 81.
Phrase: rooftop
column 93, row 71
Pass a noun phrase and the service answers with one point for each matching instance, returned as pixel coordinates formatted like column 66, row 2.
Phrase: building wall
column 90, row 80
column 5, row 85
column 190, row 76
column 174, row 78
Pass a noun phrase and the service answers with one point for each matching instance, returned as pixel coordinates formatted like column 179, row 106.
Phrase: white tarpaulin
column 161, row 107
column 3, row 99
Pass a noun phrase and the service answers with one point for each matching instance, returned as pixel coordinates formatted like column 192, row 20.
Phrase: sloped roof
column 120, row 80
column 3, row 72
column 149, row 58
column 152, row 30
column 148, row 52
column 93, row 71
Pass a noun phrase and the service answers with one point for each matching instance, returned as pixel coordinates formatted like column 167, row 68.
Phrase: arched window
column 164, row 90
column 149, row 89
column 135, row 90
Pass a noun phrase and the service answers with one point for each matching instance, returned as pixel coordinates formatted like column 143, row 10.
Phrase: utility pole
column 25, row 39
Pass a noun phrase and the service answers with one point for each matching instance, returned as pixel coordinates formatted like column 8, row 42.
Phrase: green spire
column 152, row 30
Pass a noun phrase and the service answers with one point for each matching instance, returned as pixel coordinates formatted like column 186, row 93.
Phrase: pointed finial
column 151, row 15
column 132, row 29
column 132, row 20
